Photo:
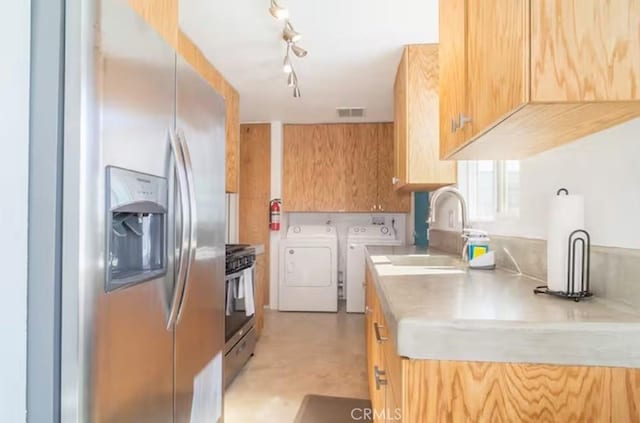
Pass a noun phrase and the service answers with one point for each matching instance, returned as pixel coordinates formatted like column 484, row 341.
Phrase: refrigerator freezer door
column 117, row 354
column 200, row 328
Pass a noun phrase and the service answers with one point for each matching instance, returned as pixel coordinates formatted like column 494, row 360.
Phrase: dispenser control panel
column 136, row 216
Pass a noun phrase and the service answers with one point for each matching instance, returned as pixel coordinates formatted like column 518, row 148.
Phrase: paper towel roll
column 566, row 214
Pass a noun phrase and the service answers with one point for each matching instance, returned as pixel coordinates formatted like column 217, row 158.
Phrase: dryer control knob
column 384, row 230
column 297, row 229
column 363, row 230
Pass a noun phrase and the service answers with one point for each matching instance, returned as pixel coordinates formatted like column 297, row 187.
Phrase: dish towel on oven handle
column 230, row 295
column 247, row 282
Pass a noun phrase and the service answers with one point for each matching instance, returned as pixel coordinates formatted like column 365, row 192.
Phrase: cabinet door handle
column 367, row 309
column 379, row 381
column 379, row 338
column 463, row 120
column 454, row 126
column 395, row 180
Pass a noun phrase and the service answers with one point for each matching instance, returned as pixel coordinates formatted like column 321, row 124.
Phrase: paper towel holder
column 579, row 236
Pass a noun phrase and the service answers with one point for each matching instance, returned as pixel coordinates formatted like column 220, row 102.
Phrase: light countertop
column 481, row 315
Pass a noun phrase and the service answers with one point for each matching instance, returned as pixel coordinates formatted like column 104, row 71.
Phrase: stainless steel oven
column 240, row 335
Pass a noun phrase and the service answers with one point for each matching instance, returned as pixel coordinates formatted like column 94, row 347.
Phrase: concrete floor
column 299, row 354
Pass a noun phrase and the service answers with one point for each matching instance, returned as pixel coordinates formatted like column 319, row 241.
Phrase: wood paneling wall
column 255, row 192
column 163, row 16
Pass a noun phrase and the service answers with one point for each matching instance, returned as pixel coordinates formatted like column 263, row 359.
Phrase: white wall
column 604, row 167
column 14, row 173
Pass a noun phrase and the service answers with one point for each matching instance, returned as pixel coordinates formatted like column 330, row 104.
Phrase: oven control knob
column 297, row 230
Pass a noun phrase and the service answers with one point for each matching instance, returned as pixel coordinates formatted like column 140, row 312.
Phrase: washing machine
column 357, row 238
column 309, row 269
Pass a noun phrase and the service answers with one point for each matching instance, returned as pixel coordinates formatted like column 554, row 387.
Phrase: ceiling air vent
column 350, row 112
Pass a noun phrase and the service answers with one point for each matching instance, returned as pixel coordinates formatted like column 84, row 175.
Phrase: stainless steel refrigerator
column 141, row 307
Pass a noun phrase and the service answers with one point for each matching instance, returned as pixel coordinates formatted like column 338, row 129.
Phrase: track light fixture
column 278, row 11
column 292, row 79
column 291, row 37
column 289, row 34
column 287, row 67
column 298, row 51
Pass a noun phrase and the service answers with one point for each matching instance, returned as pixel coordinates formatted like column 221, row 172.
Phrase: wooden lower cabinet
column 426, row 391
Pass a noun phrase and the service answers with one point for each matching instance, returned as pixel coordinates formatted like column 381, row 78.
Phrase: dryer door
column 307, row 266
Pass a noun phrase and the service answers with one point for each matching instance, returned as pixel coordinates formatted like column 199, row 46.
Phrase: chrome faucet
column 435, row 196
column 431, row 219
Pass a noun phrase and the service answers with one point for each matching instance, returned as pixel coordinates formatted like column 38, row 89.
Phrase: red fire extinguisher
column 274, row 214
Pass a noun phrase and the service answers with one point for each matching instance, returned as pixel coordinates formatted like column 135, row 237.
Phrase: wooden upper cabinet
column 400, row 121
column 361, row 165
column 452, row 58
column 298, row 183
column 531, row 75
column 330, row 191
column 389, row 200
column 417, row 164
column 340, row 168
column 495, row 61
column 585, row 50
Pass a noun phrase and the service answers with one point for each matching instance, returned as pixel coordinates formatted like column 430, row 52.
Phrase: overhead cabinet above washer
column 519, row 77
column 340, row 168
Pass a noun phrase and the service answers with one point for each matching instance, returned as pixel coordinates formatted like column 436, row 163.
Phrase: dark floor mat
column 321, row 409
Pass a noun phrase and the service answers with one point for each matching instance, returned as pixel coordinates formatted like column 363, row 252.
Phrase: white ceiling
column 354, row 49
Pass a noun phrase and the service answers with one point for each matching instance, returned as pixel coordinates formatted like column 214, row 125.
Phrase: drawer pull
column 379, row 337
column 379, row 381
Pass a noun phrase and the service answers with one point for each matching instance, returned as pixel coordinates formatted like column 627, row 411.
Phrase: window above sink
column 491, row 187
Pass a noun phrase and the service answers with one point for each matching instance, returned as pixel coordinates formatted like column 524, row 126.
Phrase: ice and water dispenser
column 136, row 227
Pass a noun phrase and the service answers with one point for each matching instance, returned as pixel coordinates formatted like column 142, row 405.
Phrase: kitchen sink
column 391, row 270
column 418, row 264
column 426, row 260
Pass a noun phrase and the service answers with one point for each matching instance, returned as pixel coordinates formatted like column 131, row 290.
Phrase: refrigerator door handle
column 181, row 277
column 193, row 218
